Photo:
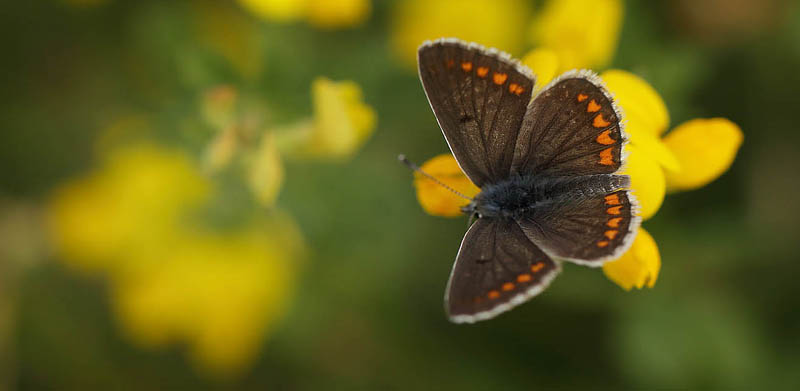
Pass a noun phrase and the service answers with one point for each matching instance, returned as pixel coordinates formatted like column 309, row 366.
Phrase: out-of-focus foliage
column 205, row 194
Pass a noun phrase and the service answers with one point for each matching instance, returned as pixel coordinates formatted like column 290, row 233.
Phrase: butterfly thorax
column 519, row 196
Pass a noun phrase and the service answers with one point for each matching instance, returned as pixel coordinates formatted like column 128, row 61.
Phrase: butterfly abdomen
column 521, row 195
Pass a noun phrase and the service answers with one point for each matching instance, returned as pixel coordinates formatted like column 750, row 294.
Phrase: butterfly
column 548, row 169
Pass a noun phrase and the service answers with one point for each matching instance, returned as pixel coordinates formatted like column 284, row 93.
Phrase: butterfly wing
column 497, row 268
column 479, row 97
column 588, row 232
column 572, row 127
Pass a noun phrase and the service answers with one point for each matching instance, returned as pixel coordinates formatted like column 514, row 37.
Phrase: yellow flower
column 319, row 13
column 430, row 195
column 499, row 24
column 583, row 33
column 692, row 155
column 342, row 123
column 135, row 221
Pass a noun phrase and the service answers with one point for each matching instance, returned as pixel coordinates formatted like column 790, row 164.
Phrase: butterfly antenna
column 402, row 158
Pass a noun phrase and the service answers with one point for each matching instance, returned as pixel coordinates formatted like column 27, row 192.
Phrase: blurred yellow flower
column 499, row 23
column 341, row 124
column 546, row 64
column 689, row 157
column 319, row 13
column 135, row 221
column 220, row 293
column 336, row 14
column 583, row 33
column 266, row 171
column 140, row 195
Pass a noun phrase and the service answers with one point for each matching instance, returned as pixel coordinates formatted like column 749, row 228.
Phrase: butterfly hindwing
column 497, row 268
column 571, row 128
column 479, row 97
column 589, row 232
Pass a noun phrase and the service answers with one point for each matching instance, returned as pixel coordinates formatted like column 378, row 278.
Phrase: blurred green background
column 364, row 308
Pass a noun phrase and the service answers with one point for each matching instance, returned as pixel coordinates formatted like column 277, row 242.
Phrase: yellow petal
column 341, row 13
column 645, row 114
column 499, row 23
column 655, row 149
column 647, row 181
column 266, row 171
column 276, row 10
column 342, row 121
column 584, row 33
column 435, row 199
column 639, row 266
column 544, row 64
column 644, row 109
column 705, row 149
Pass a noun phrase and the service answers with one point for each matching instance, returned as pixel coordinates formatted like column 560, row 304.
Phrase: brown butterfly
column 548, row 169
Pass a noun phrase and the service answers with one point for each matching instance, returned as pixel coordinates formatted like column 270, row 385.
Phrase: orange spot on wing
column 483, row 71
column 509, row 286
column 602, row 243
column 449, row 63
column 606, row 157
column 593, row 107
column 466, row 66
column 611, row 234
column 582, row 97
column 538, row 266
column 512, row 88
column 599, row 122
column 523, row 278
column 612, row 199
column 604, row 138
column 614, row 222
column 499, row 78
column 614, row 210
column 493, row 294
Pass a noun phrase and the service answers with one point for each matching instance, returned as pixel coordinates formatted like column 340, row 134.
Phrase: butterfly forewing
column 497, row 268
column 571, row 128
column 479, row 97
